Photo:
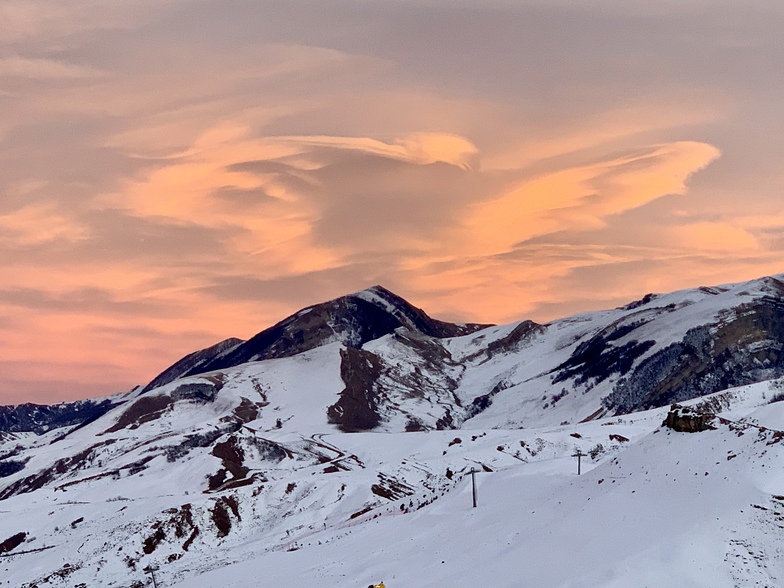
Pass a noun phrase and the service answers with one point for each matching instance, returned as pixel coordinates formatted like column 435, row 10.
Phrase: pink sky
column 175, row 172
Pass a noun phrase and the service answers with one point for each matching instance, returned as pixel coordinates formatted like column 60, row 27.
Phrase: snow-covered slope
column 245, row 471
column 652, row 508
column 674, row 509
column 661, row 349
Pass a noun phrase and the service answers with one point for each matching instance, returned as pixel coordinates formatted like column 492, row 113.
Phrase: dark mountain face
column 37, row 418
column 191, row 363
column 352, row 320
column 357, row 408
column 745, row 346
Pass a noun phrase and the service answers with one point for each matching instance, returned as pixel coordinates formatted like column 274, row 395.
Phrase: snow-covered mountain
column 236, row 459
column 352, row 320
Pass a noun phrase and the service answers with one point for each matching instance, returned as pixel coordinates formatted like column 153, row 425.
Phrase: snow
column 652, row 507
column 644, row 512
column 668, row 510
column 371, row 295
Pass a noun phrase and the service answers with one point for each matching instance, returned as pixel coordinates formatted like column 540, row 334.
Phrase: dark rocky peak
column 411, row 317
column 352, row 320
column 191, row 363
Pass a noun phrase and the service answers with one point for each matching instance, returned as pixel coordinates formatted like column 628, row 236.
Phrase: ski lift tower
column 578, row 453
column 151, row 570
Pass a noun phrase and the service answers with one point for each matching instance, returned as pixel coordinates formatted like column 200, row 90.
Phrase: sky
column 176, row 172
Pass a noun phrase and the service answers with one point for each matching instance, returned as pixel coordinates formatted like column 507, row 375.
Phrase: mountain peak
column 353, row 319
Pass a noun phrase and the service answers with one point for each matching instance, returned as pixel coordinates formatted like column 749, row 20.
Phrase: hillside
column 671, row 509
column 236, row 461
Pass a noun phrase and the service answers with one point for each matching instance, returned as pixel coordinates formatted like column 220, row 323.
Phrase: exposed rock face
column 596, row 359
column 142, row 411
column 353, row 320
column 357, row 409
column 10, row 467
column 38, row 418
column 412, row 375
column 745, row 346
column 62, row 466
column 148, row 408
column 685, row 419
column 483, row 402
column 12, row 542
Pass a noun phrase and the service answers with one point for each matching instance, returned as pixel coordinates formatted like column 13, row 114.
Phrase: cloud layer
column 173, row 173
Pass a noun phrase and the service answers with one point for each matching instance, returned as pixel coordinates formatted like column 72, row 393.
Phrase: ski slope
column 666, row 509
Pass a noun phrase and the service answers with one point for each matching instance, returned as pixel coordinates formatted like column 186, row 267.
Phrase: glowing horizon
column 176, row 173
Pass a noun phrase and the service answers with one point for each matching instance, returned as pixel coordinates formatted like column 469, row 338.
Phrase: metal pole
column 151, row 571
column 473, row 485
column 578, row 454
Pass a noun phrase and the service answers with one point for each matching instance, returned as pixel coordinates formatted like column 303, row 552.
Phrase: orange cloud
column 715, row 237
column 422, row 148
column 278, row 239
column 24, row 20
column 37, row 224
column 562, row 142
column 581, row 197
column 20, row 67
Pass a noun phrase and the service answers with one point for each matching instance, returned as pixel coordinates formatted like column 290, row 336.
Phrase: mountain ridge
column 353, row 319
column 623, row 343
column 252, row 460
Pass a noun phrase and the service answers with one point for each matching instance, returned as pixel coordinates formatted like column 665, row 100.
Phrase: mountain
column 39, row 418
column 650, row 353
column 352, row 320
column 405, row 371
column 236, row 459
column 193, row 362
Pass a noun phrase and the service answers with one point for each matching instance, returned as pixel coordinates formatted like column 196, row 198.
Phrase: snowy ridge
column 243, row 473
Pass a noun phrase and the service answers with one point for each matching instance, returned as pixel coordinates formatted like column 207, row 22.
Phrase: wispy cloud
column 39, row 223
column 22, row 67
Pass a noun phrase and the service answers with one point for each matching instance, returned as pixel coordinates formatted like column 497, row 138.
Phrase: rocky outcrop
column 12, row 542
column 602, row 355
column 522, row 335
column 686, row 419
column 357, row 408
